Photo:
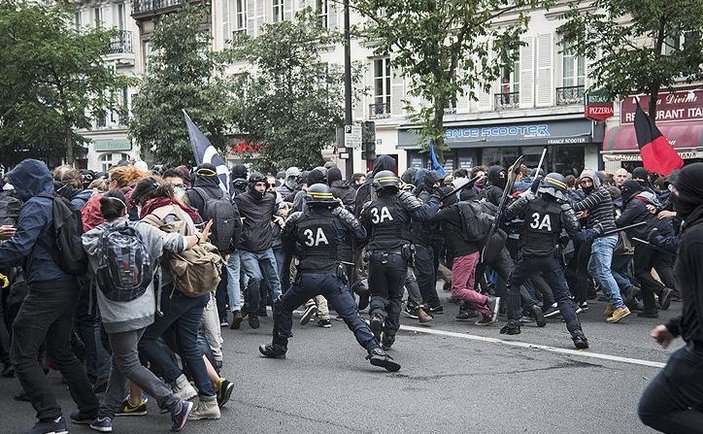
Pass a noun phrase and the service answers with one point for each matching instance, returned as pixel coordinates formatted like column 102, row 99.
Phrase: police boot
column 378, row 357
column 580, row 340
column 511, row 328
column 376, row 325
column 273, row 351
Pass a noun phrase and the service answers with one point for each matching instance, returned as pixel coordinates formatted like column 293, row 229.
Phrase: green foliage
column 52, row 80
column 292, row 104
column 182, row 73
column 443, row 46
column 635, row 44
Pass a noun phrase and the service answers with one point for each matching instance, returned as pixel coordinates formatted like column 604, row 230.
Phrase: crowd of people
column 124, row 281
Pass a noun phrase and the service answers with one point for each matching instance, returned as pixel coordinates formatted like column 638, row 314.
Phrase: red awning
column 680, row 134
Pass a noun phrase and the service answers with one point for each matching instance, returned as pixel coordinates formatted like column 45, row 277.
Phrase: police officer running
column 387, row 218
column 316, row 236
column 545, row 215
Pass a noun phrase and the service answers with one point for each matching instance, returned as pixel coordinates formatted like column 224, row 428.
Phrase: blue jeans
column 233, row 281
column 599, row 266
column 309, row 285
column 673, row 401
column 185, row 313
column 259, row 266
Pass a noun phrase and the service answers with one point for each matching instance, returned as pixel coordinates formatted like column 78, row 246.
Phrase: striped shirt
column 599, row 205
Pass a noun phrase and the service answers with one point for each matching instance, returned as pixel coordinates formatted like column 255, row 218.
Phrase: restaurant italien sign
column 677, row 106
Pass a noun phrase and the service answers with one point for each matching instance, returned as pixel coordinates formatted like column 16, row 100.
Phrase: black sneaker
column 648, row 313
column 539, row 315
column 579, row 339
column 273, row 351
column 324, row 323
column 224, row 393
column 665, row 298
column 254, row 320
column 435, row 310
column 466, row 314
column 376, row 325
column 410, row 311
column 57, row 426
column 80, row 418
column 378, row 357
column 237, row 319
column 511, row 328
column 310, row 311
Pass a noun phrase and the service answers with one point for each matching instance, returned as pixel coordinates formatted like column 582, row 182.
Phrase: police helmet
column 320, row 194
column 554, row 185
column 385, row 179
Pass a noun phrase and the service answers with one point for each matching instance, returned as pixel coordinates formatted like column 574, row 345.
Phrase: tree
column 638, row 46
column 293, row 102
column 443, row 46
column 52, row 80
column 182, row 73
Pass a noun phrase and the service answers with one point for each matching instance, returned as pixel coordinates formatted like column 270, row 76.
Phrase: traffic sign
column 352, row 136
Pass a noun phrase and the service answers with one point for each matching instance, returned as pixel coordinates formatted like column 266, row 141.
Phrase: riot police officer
column 545, row 215
column 317, row 236
column 388, row 218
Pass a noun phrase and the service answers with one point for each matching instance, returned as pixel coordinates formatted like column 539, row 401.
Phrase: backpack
column 223, row 216
column 9, row 209
column 68, row 229
column 124, row 268
column 196, row 271
column 477, row 218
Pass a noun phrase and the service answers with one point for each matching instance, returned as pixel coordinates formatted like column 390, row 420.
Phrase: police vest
column 317, row 240
column 390, row 224
column 542, row 227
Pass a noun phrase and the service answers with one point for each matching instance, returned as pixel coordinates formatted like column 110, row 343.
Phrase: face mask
column 683, row 209
column 179, row 192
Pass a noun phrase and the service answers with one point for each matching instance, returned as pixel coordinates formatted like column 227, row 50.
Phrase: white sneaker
column 205, row 410
column 186, row 392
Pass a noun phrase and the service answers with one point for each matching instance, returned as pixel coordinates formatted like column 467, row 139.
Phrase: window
column 241, row 16
column 124, row 106
column 277, row 11
column 510, row 78
column 680, row 40
column 78, row 21
column 98, row 17
column 322, row 10
column 573, row 67
column 109, row 160
column 120, row 17
column 381, row 106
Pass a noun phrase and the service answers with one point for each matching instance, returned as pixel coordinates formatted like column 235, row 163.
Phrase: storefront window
column 503, row 156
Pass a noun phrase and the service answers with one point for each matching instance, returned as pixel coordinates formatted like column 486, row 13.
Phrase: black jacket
column 257, row 232
column 689, row 274
column 452, row 225
column 343, row 190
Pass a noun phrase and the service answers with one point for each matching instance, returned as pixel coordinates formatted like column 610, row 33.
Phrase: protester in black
column 673, row 401
column 48, row 310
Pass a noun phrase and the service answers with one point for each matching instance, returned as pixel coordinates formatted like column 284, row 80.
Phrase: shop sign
column 597, row 107
column 526, row 131
column 677, row 106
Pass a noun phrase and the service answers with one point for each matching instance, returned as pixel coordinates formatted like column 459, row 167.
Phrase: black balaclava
column 629, row 189
column 689, row 190
column 333, row 174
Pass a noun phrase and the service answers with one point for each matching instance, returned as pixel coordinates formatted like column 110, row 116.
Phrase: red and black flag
column 658, row 156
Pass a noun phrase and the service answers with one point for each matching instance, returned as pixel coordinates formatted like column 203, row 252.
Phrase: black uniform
column 387, row 219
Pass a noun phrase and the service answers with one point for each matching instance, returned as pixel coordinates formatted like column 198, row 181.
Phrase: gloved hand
column 4, row 281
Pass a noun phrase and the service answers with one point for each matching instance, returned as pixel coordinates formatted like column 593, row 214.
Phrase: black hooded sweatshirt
column 363, row 193
column 496, row 184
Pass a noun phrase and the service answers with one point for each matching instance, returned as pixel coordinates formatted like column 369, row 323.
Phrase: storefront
column 679, row 118
column 572, row 144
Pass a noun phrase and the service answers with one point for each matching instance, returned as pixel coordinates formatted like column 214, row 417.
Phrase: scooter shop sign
column 684, row 105
column 597, row 106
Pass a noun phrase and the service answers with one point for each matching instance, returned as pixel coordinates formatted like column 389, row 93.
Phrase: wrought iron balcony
column 507, row 100
column 121, row 42
column 569, row 95
column 140, row 7
column 379, row 111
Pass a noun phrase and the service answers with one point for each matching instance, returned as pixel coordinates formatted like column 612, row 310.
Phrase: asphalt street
column 455, row 377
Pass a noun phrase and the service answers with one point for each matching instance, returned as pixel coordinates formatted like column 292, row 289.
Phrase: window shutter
column 226, row 29
column 527, row 73
column 545, row 70
column 335, row 18
column 288, row 9
column 485, row 98
column 397, row 93
column 251, row 17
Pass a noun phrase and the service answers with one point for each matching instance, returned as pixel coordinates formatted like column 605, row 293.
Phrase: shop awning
column 682, row 135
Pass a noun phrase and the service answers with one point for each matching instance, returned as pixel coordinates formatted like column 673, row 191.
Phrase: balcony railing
column 569, row 95
column 379, row 111
column 121, row 42
column 507, row 100
column 144, row 6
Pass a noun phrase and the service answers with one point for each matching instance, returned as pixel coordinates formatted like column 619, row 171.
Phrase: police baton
column 648, row 244
column 470, row 183
column 624, row 228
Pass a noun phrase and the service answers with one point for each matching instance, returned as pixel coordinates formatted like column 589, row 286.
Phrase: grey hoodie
column 598, row 203
column 119, row 316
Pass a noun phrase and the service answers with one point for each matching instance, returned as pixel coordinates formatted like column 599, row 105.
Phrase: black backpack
column 224, row 219
column 68, row 229
column 477, row 218
column 124, row 268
